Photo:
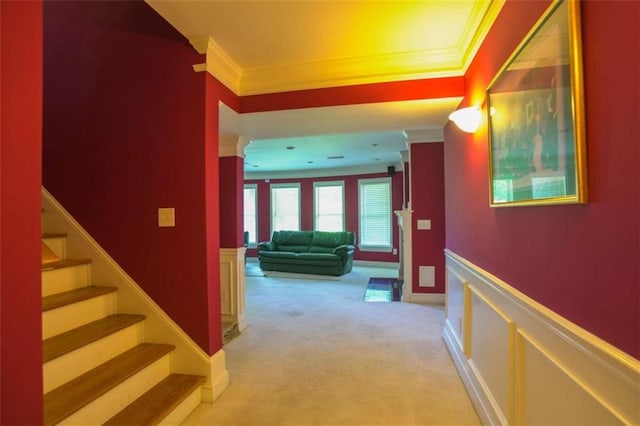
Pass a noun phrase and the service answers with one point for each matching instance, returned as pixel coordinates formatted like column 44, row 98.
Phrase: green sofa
column 308, row 252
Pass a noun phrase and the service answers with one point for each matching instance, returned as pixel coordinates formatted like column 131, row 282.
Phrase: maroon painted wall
column 427, row 202
column 20, row 233
column 579, row 260
column 125, row 134
column 351, row 208
column 433, row 88
column 232, row 202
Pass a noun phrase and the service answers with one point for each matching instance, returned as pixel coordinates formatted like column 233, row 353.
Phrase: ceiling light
column 291, row 148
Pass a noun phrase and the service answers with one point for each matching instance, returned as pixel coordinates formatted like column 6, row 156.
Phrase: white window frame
column 271, row 207
column 370, row 247
column 255, row 213
column 338, row 183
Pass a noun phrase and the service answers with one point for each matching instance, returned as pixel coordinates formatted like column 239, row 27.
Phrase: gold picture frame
column 535, row 108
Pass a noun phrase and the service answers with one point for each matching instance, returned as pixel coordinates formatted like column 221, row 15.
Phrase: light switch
column 166, row 217
column 424, row 224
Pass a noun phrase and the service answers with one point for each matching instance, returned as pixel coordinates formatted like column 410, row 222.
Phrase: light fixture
column 467, row 119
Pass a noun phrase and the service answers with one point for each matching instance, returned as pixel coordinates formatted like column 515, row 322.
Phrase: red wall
column 352, row 95
column 20, row 233
column 125, row 134
column 351, row 208
column 232, row 202
column 579, row 260
column 427, row 202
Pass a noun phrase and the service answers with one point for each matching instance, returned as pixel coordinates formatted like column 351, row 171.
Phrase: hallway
column 316, row 354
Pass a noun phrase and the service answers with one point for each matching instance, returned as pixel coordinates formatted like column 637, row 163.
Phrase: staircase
column 98, row 367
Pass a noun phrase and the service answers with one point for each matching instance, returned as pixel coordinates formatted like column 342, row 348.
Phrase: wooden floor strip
column 68, row 341
column 64, row 263
column 158, row 402
column 72, row 296
column 72, row 396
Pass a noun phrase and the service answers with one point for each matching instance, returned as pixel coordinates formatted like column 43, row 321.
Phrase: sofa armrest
column 344, row 251
column 266, row 246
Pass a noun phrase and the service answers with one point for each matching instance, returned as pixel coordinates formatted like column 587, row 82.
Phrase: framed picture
column 536, row 116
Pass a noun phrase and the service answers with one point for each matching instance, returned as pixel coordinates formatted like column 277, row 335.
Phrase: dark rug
column 383, row 290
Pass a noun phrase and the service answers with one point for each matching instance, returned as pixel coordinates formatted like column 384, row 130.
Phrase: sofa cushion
column 319, row 249
column 278, row 255
column 331, row 239
column 292, row 238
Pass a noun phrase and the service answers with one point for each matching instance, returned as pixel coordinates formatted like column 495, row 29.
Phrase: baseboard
column 219, row 378
column 375, row 264
column 427, row 298
column 524, row 364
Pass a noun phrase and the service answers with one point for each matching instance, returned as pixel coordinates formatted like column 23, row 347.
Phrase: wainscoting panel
column 232, row 284
column 546, row 388
column 524, row 364
column 454, row 305
column 492, row 352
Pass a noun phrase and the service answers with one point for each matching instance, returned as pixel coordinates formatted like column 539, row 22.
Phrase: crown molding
column 232, row 145
column 352, row 71
column 222, row 67
column 471, row 41
column 316, row 173
column 425, row 135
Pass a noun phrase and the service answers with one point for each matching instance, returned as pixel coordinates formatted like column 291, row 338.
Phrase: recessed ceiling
column 269, row 46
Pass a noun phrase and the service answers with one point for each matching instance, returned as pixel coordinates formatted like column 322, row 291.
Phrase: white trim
column 223, row 67
column 591, row 378
column 219, row 378
column 232, row 286
column 426, row 298
column 273, row 186
column 316, row 173
column 232, row 145
column 425, row 135
column 376, row 264
column 188, row 357
column 321, row 184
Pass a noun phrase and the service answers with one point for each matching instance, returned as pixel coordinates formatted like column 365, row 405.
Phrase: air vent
column 335, row 157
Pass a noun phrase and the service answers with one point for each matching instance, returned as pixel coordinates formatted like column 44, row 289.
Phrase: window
column 375, row 214
column 251, row 212
column 328, row 206
column 285, row 207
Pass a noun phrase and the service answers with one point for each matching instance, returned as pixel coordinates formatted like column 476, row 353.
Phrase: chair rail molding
column 508, row 348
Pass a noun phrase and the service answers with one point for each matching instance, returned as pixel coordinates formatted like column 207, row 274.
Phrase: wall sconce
column 467, row 119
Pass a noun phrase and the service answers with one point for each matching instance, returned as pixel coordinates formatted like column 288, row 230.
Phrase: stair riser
column 184, row 409
column 65, row 318
column 65, row 368
column 64, row 279
column 105, row 407
column 57, row 245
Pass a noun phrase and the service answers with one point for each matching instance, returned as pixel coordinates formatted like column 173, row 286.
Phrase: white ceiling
column 268, row 46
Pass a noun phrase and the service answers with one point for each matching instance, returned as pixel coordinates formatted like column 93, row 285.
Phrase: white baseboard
column 524, row 364
column 375, row 264
column 426, row 298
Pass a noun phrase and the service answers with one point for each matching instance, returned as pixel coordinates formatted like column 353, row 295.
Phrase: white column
column 404, row 223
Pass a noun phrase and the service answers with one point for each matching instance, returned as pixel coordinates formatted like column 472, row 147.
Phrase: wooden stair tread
column 158, row 402
column 68, row 341
column 64, row 263
column 77, row 393
column 46, row 235
column 72, row 296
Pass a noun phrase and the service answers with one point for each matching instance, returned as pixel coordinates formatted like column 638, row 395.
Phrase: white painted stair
column 97, row 366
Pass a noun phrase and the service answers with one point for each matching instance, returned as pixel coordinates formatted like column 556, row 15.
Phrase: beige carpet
column 316, row 354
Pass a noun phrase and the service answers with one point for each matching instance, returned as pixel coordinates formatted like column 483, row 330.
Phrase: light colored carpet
column 316, row 354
